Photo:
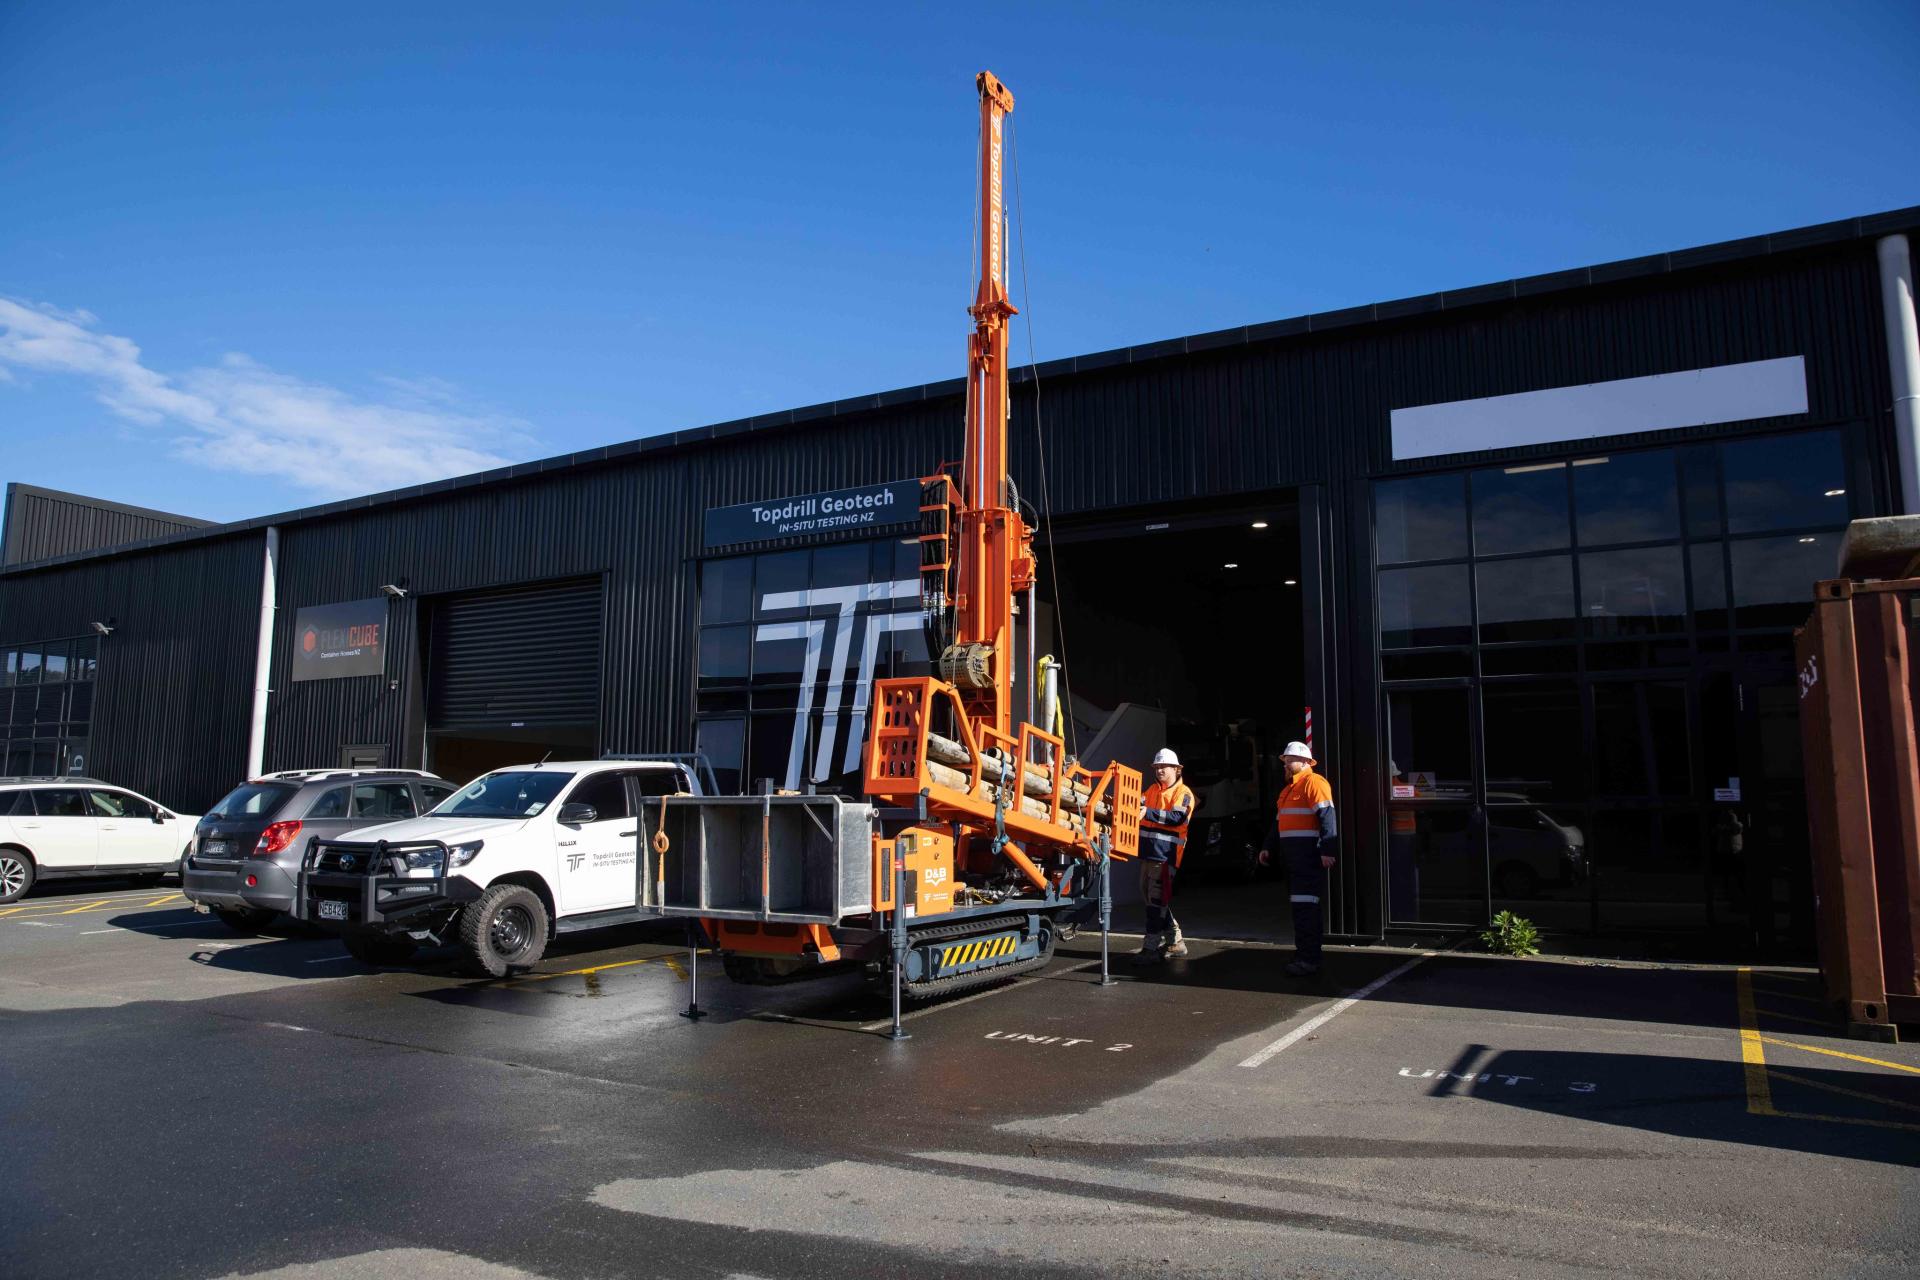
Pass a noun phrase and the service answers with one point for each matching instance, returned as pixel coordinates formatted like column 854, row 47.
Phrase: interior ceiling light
column 1538, row 466
column 1259, row 524
column 1229, row 565
column 1809, row 539
column 1836, row 493
column 1590, row 462
column 1293, row 582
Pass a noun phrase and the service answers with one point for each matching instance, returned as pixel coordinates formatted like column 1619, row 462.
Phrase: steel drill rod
column 1035, row 782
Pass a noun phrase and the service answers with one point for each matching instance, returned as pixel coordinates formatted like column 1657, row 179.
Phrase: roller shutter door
column 525, row 658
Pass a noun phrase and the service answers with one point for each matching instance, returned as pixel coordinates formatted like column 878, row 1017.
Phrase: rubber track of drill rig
column 976, row 977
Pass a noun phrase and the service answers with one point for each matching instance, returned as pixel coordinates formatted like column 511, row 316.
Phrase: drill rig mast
column 986, row 838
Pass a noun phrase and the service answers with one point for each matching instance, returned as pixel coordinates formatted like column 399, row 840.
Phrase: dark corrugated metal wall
column 41, row 524
column 175, row 684
column 1232, row 419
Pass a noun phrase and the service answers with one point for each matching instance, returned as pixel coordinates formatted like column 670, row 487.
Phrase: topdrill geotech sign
column 874, row 506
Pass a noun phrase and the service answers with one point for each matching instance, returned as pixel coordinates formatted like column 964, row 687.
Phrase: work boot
column 1150, row 945
column 1176, row 951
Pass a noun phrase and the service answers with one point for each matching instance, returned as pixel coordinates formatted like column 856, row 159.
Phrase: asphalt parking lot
column 180, row 1101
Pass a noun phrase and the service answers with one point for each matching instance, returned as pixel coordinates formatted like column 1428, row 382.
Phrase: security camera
column 104, row 628
column 398, row 593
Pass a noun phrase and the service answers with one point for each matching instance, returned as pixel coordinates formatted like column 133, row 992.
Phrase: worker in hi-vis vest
column 1304, row 830
column 1166, row 811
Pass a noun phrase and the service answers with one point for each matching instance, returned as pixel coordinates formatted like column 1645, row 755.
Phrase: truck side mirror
column 577, row 814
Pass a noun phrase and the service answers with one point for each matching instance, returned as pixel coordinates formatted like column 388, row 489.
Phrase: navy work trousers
column 1307, row 886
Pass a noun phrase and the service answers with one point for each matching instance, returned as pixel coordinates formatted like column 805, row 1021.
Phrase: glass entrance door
column 1436, row 831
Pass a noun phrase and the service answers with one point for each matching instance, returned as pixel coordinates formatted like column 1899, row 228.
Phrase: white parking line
column 1321, row 1019
column 330, row 960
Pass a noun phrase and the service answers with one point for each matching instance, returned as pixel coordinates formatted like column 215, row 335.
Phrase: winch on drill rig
column 980, row 840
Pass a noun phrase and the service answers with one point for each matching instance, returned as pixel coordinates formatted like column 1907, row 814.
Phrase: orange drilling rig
column 980, row 840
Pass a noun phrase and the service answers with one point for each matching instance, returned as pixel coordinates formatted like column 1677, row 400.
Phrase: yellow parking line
column 80, row 909
column 598, row 968
column 1859, row 1120
column 1752, row 1054
column 1835, row 1053
column 1842, row 1091
column 163, row 901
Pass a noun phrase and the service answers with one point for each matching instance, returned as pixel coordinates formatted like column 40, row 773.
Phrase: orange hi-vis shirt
column 1163, row 829
column 1304, row 810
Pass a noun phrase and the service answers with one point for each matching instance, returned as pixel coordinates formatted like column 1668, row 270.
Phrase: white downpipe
column 263, row 657
column 1903, row 360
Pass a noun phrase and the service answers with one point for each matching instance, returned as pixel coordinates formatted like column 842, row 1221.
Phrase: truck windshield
column 253, row 800
column 504, row 795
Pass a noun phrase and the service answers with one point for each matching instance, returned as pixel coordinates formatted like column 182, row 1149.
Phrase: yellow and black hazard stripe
column 960, row 954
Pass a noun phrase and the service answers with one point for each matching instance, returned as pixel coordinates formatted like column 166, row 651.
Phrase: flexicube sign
column 333, row 640
column 874, row 506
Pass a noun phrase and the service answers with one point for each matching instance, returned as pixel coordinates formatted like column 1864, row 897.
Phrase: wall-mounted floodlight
column 397, row 592
column 103, row 628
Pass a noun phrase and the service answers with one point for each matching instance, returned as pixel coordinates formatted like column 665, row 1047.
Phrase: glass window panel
column 11, row 674
column 27, row 671
column 725, row 744
column 724, row 654
column 1428, row 742
column 1650, row 869
column 1426, row 666
column 1436, row 868
column 331, row 804
column 1784, row 482
column 726, row 590
column 779, row 581
column 1625, row 497
column 53, row 665
column 770, row 749
column 1529, row 599
column 842, row 566
column 1528, row 659
column 19, row 759
column 1625, row 593
column 1630, row 655
column 75, row 751
column 80, row 703
column 384, row 801
column 1773, row 577
column 46, row 757
column 709, row 703
column 1708, row 565
column 1537, row 858
column 59, row 802
column 1640, row 739
column 905, row 651
column 1700, row 484
column 906, row 558
column 1420, row 518
column 49, row 710
column 780, row 659
column 1420, row 607
column 1529, row 729
column 1520, row 508
column 607, row 793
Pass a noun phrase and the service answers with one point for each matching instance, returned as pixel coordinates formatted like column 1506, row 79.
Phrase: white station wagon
column 55, row 827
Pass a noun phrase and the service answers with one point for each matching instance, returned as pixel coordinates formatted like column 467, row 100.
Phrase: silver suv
column 246, row 852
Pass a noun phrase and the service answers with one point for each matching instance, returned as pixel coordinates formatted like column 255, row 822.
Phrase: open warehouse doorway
column 1185, row 628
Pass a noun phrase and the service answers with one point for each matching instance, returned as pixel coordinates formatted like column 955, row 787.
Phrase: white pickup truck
column 500, row 866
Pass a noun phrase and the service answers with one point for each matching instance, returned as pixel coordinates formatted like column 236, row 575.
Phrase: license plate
column 216, row 848
column 332, row 910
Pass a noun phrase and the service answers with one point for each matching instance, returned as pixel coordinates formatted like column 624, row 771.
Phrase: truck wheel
column 247, row 920
column 378, row 948
column 16, row 874
column 505, row 929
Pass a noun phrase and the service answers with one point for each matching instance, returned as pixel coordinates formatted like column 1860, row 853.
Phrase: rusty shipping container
column 1857, row 694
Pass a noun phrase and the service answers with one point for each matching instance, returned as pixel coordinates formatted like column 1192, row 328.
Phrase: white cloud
column 239, row 415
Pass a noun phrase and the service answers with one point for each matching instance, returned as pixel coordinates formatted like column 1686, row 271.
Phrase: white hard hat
column 1298, row 751
column 1165, row 756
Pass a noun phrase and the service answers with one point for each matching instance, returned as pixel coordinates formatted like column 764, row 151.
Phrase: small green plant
column 1511, row 935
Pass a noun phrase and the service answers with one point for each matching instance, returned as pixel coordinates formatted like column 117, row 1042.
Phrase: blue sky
column 256, row 256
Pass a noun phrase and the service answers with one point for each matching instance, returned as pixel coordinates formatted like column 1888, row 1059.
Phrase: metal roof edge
column 1796, row 239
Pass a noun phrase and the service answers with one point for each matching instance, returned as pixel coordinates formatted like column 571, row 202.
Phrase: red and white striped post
column 1308, row 739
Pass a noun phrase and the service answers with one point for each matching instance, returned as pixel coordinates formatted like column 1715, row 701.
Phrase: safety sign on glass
column 1729, row 793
